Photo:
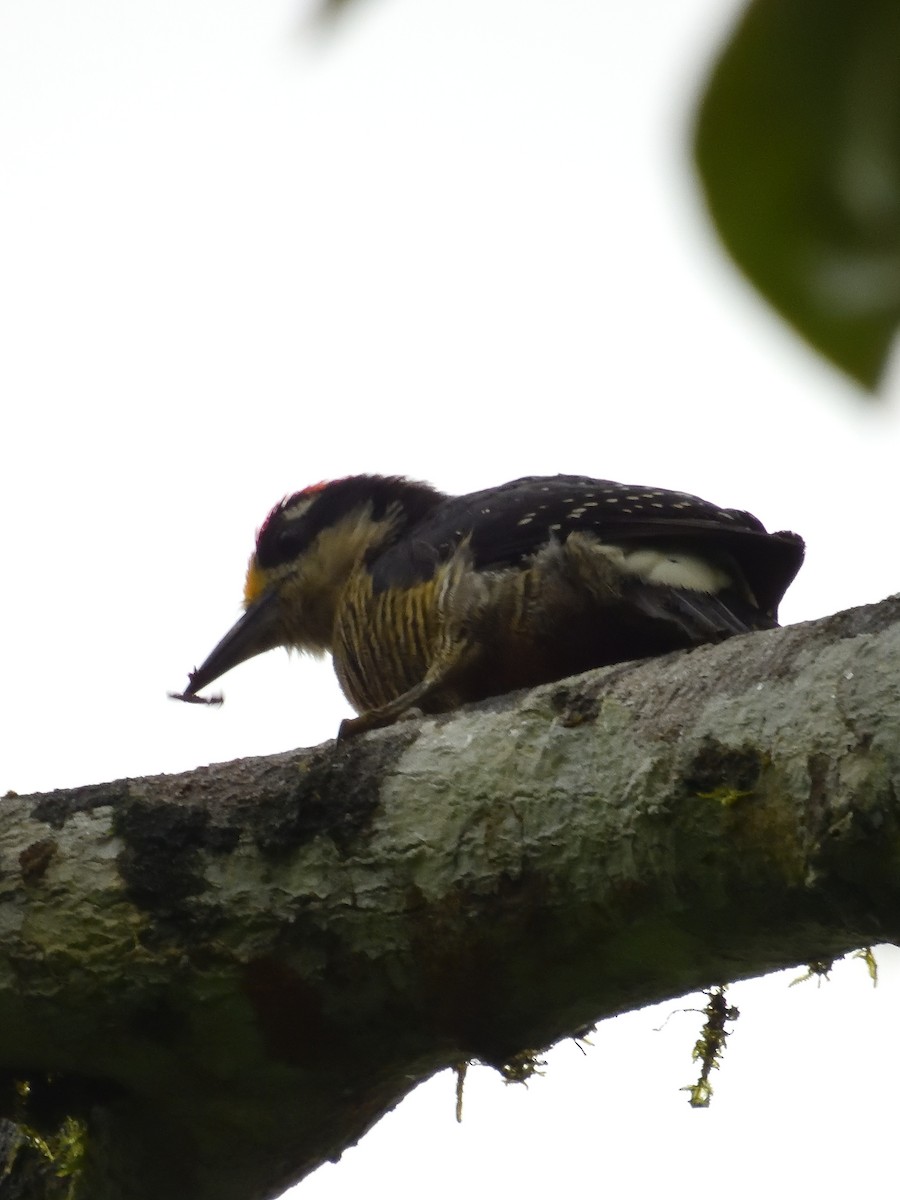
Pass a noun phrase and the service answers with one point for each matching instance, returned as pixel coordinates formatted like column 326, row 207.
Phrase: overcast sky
column 457, row 239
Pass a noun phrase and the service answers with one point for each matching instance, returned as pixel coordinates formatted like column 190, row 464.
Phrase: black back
column 508, row 524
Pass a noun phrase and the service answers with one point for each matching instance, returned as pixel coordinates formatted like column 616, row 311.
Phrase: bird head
column 306, row 550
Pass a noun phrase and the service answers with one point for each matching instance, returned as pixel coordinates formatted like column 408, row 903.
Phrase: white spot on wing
column 670, row 568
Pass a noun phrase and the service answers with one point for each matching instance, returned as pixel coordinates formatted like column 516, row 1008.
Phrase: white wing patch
column 669, row 568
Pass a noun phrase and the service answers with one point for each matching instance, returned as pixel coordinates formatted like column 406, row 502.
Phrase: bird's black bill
column 255, row 633
column 218, row 698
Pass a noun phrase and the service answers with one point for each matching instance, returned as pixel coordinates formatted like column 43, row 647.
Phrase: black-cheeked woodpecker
column 428, row 601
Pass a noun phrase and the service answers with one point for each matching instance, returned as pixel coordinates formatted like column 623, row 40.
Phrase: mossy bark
column 225, row 977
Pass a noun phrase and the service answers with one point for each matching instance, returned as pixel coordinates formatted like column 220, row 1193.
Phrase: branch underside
column 229, row 975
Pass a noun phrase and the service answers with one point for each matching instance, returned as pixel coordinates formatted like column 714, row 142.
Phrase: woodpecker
column 427, row 601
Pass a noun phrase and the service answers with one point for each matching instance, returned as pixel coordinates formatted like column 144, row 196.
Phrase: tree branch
column 229, row 975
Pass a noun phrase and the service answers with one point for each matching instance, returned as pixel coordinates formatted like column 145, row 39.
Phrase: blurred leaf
column 798, row 147
column 329, row 11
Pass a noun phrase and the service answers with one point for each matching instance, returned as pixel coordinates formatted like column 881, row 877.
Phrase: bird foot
column 375, row 718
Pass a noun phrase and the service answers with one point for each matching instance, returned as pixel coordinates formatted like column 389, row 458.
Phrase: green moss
column 67, row 1150
column 818, row 969
column 723, row 795
column 710, row 1045
column 522, row 1066
column 58, row 1138
column 868, row 957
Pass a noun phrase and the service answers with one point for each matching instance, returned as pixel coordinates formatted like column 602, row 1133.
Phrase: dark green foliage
column 798, row 148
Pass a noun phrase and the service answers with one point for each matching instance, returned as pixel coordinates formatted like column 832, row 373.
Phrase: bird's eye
column 291, row 541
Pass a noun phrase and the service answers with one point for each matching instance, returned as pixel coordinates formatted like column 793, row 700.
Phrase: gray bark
column 229, row 975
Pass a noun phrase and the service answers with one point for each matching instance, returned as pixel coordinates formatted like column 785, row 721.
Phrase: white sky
column 459, row 239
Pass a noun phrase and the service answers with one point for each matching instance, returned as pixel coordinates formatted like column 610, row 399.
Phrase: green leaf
column 798, row 148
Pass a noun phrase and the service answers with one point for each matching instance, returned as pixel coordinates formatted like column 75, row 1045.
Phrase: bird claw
column 351, row 727
column 375, row 718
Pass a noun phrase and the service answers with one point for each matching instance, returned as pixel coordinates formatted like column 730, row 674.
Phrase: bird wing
column 505, row 526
